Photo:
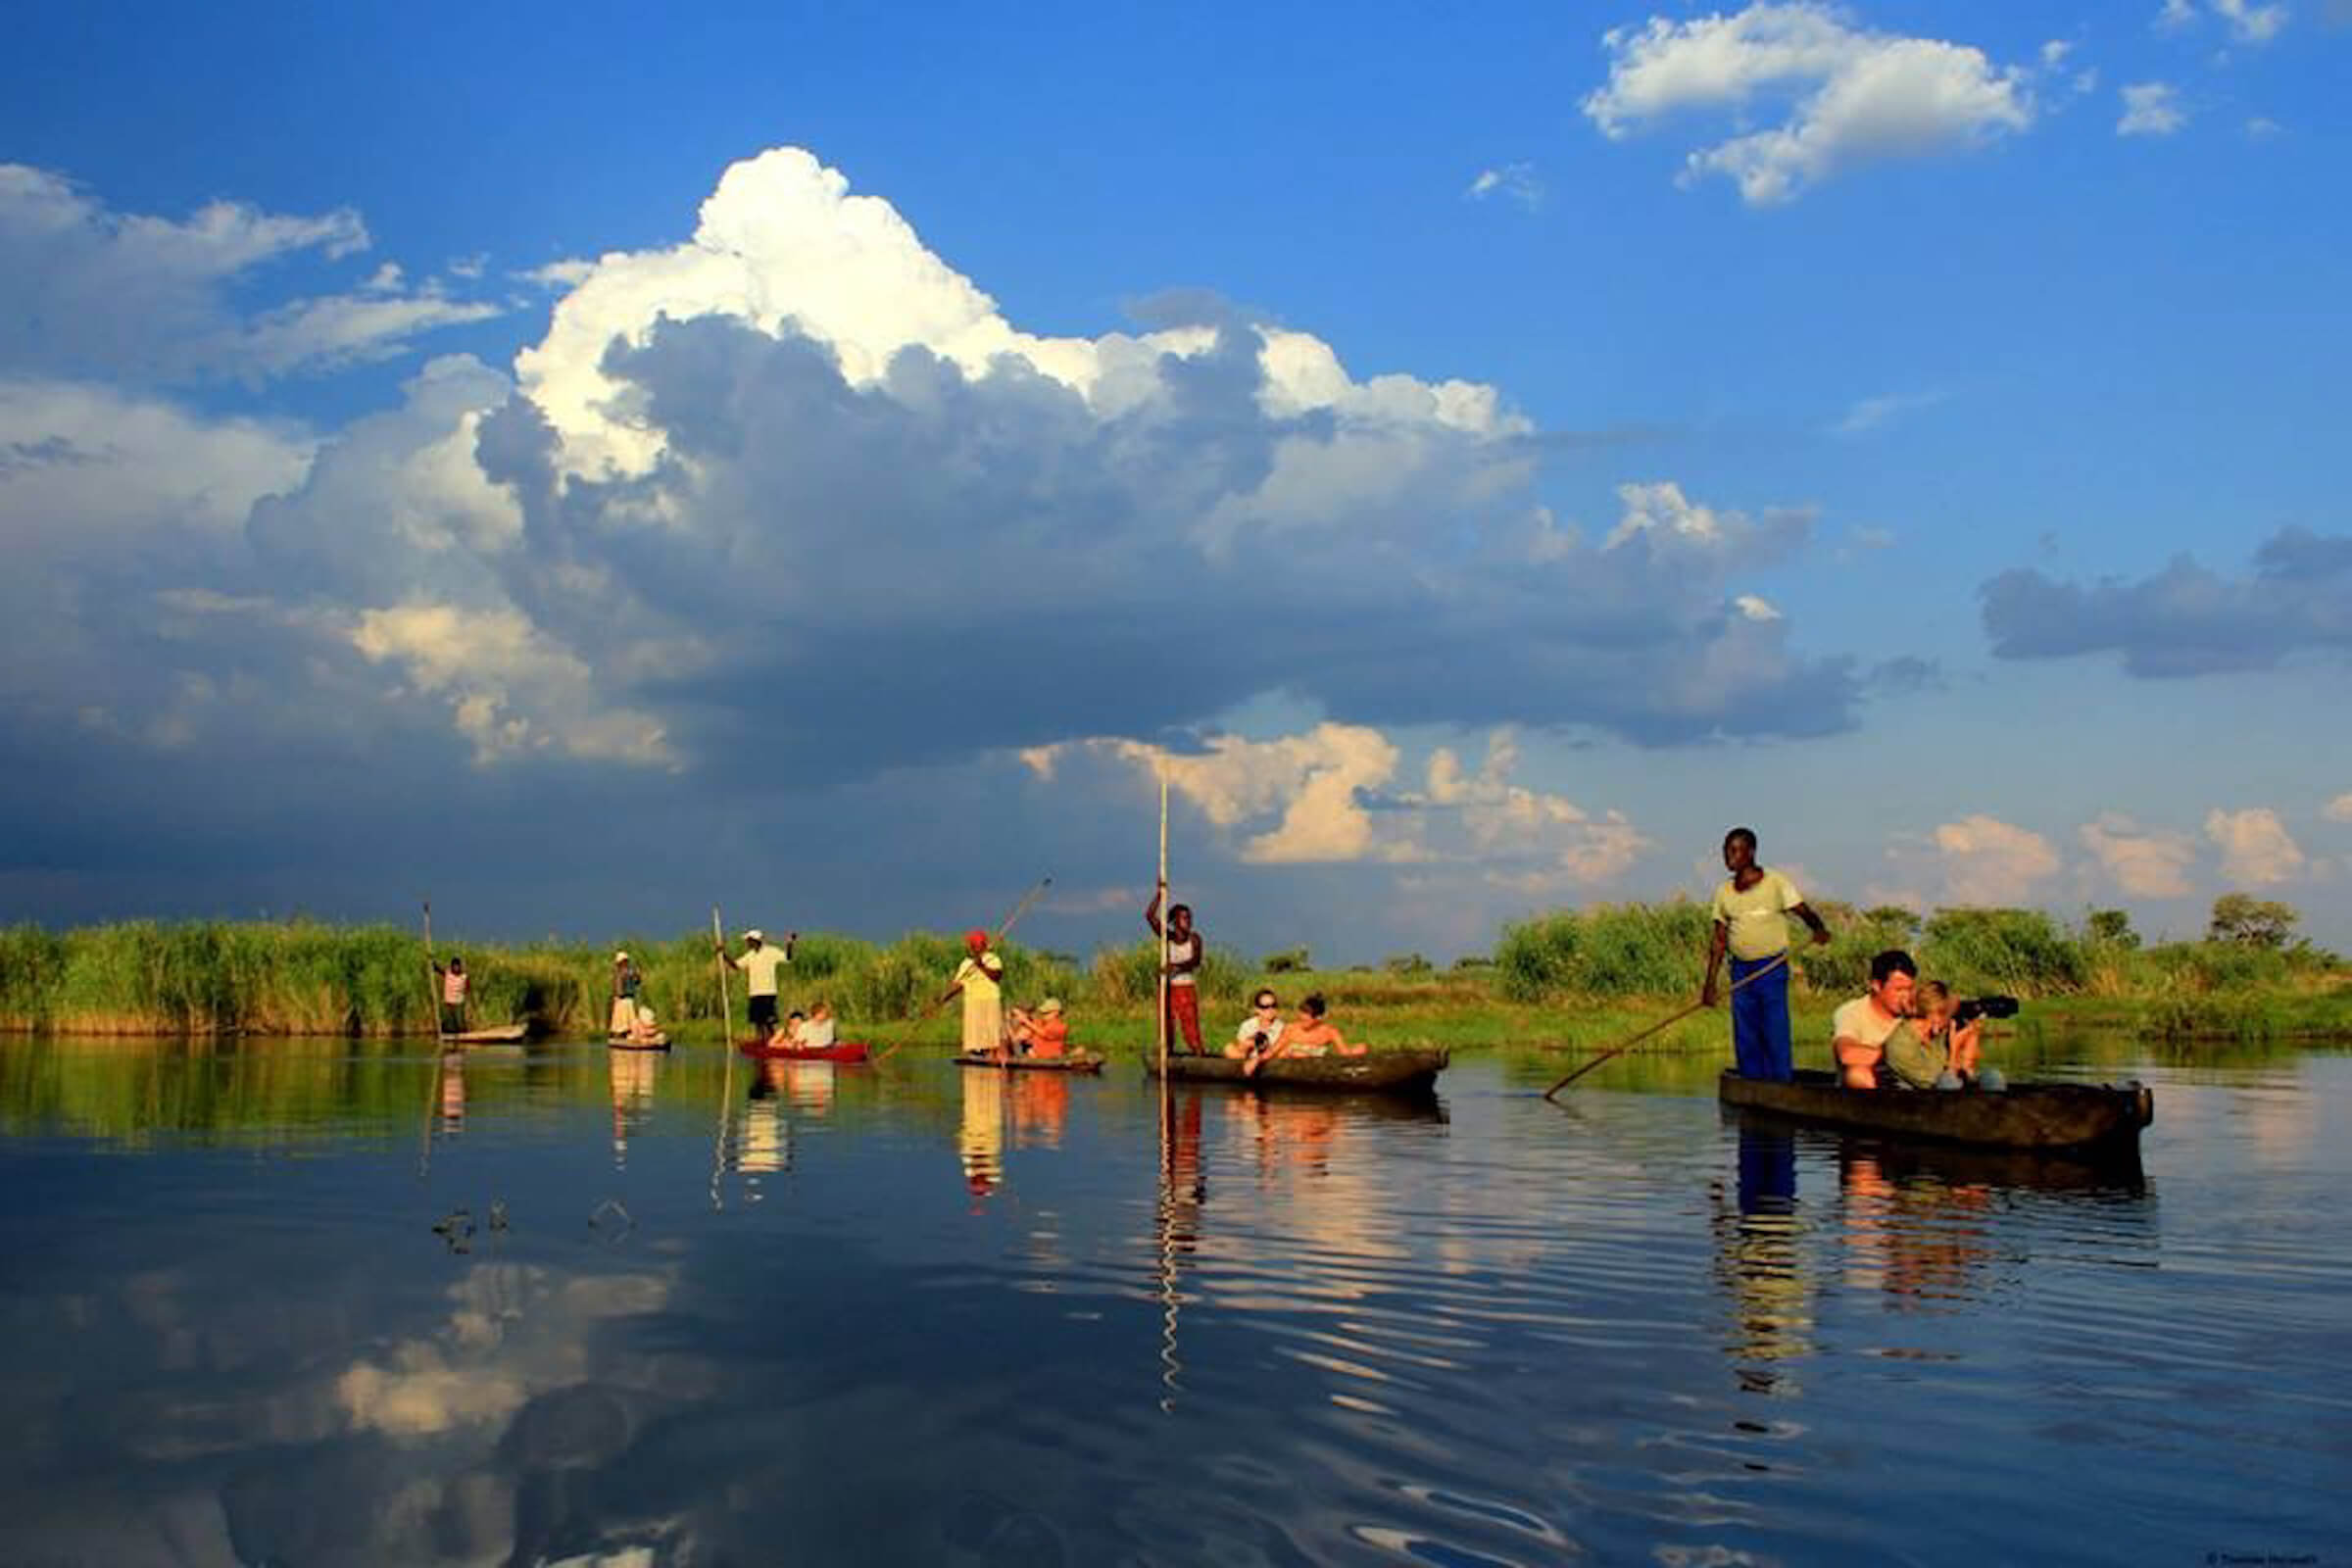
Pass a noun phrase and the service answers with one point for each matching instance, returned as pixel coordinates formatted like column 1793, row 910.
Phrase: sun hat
column 754, row 935
column 1050, row 1005
column 623, row 956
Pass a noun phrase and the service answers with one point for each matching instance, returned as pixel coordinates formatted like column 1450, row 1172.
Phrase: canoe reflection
column 1040, row 1105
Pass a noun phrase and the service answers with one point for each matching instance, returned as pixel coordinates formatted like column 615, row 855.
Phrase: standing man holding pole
column 760, row 963
column 1751, row 909
column 1180, row 964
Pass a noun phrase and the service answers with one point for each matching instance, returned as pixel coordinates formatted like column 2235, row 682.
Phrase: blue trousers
column 1760, row 1044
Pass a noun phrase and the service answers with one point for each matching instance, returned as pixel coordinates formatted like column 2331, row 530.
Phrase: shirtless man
column 1312, row 1034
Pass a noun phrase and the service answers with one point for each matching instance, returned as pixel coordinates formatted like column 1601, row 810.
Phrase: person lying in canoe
column 1312, row 1034
column 791, row 1030
column 817, row 1032
column 644, row 1028
column 1261, row 1031
column 1044, row 1034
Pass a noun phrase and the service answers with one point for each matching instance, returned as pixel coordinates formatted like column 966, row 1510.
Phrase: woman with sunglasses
column 1261, row 1031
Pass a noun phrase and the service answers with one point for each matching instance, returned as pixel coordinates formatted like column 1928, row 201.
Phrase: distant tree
column 1288, row 960
column 1473, row 961
column 1894, row 918
column 2254, row 922
column 1406, row 964
column 2112, row 928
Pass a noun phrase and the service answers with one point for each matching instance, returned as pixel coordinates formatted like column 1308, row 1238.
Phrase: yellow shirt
column 977, row 981
column 1757, row 915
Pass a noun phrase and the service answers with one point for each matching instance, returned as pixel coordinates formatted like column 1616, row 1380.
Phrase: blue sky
column 584, row 467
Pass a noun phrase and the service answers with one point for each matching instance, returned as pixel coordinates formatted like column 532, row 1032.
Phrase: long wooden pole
column 432, row 976
column 1164, row 979
column 726, row 1045
column 1665, row 1023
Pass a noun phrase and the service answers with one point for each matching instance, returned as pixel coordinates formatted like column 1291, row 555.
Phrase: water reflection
column 1759, row 1258
column 634, row 1075
column 980, row 1133
column 1400, row 1337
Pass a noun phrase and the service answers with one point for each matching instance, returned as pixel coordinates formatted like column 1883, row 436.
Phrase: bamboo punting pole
column 1164, row 981
column 1663, row 1023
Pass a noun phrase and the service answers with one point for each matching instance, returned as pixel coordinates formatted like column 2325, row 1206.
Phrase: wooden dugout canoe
column 847, row 1051
column 658, row 1042
column 1075, row 1062
column 504, row 1034
column 2020, row 1116
column 1394, row 1072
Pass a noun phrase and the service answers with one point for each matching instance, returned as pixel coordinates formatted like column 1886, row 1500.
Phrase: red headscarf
column 976, row 940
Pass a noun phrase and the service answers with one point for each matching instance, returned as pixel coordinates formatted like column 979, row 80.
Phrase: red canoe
column 850, row 1051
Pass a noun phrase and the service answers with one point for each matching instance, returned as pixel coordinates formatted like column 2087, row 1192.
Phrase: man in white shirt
column 1865, row 1030
column 760, row 963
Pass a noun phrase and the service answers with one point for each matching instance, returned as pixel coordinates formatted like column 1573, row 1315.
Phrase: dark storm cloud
column 2185, row 619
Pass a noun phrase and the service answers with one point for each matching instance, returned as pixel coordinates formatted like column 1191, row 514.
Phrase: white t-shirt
column 1860, row 1019
column 816, row 1033
column 1251, row 1029
column 1757, row 915
column 1178, row 952
column 762, row 964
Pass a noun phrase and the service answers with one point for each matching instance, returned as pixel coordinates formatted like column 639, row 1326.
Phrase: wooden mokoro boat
column 505, row 1034
column 2020, row 1116
column 1395, row 1072
column 658, row 1042
column 847, row 1050
column 1075, row 1062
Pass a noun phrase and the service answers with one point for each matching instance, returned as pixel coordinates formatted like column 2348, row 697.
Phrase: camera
column 1976, row 1007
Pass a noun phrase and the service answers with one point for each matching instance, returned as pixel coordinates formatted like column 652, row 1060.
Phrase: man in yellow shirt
column 1751, row 922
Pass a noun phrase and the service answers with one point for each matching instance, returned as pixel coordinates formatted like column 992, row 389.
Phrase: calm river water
column 309, row 1303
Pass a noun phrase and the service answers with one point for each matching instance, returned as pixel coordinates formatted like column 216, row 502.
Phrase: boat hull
column 658, row 1043
column 1394, row 1072
column 511, row 1034
column 2021, row 1116
column 848, row 1052
column 1079, row 1062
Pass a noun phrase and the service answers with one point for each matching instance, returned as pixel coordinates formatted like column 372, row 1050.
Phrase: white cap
column 754, row 935
column 621, row 958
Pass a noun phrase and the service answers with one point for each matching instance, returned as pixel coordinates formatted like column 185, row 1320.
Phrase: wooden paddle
column 941, row 1000
column 1666, row 1023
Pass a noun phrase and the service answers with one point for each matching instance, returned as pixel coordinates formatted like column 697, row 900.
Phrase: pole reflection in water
column 1183, row 1196
column 1759, row 1258
column 980, row 1138
column 634, row 1074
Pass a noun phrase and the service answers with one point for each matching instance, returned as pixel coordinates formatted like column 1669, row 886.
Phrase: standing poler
column 980, row 977
column 760, row 963
column 1751, row 911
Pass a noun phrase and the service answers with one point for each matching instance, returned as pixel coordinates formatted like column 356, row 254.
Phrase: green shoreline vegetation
column 1569, row 979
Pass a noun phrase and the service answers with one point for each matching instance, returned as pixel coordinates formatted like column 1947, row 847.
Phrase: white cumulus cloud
column 2338, row 810
column 1516, row 184
column 2256, row 848
column 2142, row 863
column 95, row 292
column 1849, row 95
column 2150, row 109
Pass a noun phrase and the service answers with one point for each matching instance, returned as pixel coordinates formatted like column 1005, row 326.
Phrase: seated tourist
column 817, row 1030
column 644, row 1027
column 1872, row 1036
column 1044, row 1034
column 788, row 1033
column 1940, row 1027
column 1261, row 1031
column 1312, row 1034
